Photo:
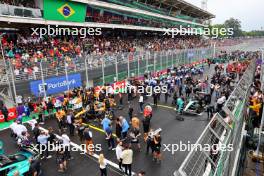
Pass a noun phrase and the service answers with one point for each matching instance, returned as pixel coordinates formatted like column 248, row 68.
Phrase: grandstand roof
column 178, row 18
column 182, row 6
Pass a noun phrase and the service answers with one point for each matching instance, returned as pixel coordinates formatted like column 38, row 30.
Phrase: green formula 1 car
column 9, row 164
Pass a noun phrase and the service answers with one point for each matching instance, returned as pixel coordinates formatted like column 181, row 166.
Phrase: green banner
column 63, row 10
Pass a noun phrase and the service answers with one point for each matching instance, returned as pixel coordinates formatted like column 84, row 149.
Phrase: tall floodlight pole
column 86, row 72
column 214, row 49
column 138, row 63
column 116, row 68
column 204, row 5
column 103, row 63
column 66, row 74
column 262, row 118
column 167, row 59
column 13, row 81
column 262, row 55
column 172, row 57
column 43, row 81
column 128, row 66
column 154, row 61
column 147, row 58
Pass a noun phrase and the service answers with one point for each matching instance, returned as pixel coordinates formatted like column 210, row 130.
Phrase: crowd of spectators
column 117, row 19
column 25, row 52
column 228, row 42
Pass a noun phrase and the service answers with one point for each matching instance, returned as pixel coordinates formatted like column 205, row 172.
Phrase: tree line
column 235, row 24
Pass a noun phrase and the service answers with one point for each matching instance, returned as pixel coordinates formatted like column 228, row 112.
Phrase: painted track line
column 97, row 129
column 96, row 156
column 163, row 106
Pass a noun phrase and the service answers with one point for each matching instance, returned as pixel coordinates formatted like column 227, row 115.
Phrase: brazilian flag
column 63, row 10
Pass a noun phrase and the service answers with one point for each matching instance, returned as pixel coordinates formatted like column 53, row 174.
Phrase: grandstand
column 169, row 13
column 129, row 27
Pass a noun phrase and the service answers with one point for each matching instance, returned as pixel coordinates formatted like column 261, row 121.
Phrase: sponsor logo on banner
column 11, row 115
column 116, row 87
column 55, row 85
column 119, row 86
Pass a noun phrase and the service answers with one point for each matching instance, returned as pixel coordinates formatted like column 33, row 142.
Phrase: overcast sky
column 249, row 12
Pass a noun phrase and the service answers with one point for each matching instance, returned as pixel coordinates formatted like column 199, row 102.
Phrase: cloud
column 247, row 11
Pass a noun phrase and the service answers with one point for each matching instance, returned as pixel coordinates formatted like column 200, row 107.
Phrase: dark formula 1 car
column 198, row 105
column 193, row 108
column 9, row 164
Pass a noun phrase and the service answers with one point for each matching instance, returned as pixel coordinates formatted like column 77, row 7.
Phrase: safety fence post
column 86, row 72
column 103, row 70
column 43, row 81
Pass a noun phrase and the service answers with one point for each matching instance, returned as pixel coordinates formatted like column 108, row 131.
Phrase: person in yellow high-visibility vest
column 60, row 115
column 256, row 105
column 80, row 113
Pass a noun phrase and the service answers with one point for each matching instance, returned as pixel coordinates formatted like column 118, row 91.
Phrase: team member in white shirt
column 13, row 126
column 119, row 150
column 141, row 102
column 19, row 129
column 43, row 144
column 127, row 159
column 66, row 142
column 220, row 102
column 102, row 164
column 32, row 123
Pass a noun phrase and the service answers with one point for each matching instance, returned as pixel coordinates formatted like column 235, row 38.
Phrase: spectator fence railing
column 103, row 69
column 260, row 146
column 124, row 64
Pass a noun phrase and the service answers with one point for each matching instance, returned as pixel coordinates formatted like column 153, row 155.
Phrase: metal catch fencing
column 113, row 67
column 260, row 131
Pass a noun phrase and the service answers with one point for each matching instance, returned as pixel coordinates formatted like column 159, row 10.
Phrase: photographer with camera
column 146, row 127
column 157, row 147
column 134, row 137
column 150, row 141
